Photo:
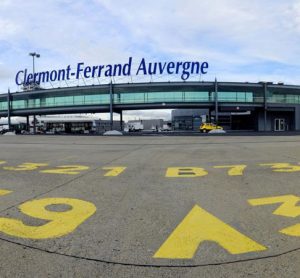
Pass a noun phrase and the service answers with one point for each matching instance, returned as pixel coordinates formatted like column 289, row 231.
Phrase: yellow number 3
column 288, row 208
column 60, row 223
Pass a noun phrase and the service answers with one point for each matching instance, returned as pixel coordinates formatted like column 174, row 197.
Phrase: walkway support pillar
column 34, row 124
column 27, row 123
column 210, row 97
column 216, row 102
column 9, row 109
column 265, row 106
column 121, row 120
column 111, row 106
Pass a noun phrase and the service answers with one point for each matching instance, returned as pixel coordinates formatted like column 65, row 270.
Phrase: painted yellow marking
column 283, row 167
column 185, row 172
column 288, row 208
column 2, row 162
column 292, row 230
column 61, row 223
column 199, row 226
column 234, row 170
column 25, row 167
column 66, row 170
column 4, row 192
column 114, row 171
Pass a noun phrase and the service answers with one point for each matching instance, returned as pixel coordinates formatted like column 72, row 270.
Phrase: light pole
column 34, row 54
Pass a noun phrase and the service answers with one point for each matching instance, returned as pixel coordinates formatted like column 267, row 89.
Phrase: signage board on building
column 183, row 68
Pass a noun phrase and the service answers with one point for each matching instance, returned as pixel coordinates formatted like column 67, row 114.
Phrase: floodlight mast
column 33, row 85
column 34, row 54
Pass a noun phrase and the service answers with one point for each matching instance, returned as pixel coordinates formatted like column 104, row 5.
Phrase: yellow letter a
column 199, row 226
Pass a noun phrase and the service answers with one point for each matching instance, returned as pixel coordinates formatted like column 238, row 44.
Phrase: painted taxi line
column 171, row 172
column 197, row 227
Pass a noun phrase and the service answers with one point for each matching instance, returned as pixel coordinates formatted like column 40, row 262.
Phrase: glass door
column 279, row 125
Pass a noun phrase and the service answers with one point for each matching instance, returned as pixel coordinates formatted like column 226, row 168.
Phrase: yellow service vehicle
column 206, row 127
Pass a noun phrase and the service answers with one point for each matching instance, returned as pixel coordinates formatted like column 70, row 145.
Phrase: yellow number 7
column 4, row 192
column 60, row 223
column 234, row 170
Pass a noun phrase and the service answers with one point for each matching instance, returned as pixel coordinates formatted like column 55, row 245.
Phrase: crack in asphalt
column 150, row 265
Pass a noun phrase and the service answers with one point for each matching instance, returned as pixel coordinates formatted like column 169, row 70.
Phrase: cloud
column 230, row 34
column 7, row 28
column 4, row 73
column 242, row 40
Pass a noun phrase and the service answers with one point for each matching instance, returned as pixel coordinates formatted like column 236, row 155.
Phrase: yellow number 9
column 61, row 223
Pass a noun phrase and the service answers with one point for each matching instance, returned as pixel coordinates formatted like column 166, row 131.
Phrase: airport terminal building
column 260, row 106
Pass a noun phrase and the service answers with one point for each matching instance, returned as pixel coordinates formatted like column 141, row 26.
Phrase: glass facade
column 97, row 97
column 235, row 97
column 284, row 98
column 280, row 95
column 3, row 105
column 45, row 102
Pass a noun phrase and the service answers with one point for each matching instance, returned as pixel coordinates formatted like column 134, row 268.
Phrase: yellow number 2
column 67, row 170
column 60, row 223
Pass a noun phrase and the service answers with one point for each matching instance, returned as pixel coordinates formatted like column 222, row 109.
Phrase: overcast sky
column 248, row 40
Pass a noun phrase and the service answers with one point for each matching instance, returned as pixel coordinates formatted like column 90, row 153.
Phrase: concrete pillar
column 210, row 99
column 121, row 120
column 27, row 123
column 9, row 109
column 297, row 118
column 111, row 106
column 216, row 102
column 34, row 125
column 265, row 106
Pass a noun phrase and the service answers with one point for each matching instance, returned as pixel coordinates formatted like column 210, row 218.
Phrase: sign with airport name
column 183, row 69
